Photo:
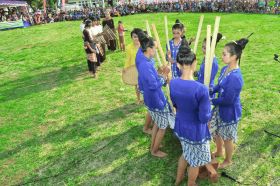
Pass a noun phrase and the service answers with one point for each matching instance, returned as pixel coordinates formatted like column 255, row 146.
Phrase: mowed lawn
column 59, row 126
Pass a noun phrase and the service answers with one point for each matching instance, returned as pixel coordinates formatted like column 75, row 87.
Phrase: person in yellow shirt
column 131, row 51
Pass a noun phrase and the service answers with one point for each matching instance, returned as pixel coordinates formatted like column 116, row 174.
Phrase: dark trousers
column 92, row 66
column 113, row 45
column 102, row 58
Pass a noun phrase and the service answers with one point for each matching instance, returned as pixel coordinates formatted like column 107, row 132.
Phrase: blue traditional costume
column 174, row 51
column 150, row 84
column 227, row 112
column 191, row 100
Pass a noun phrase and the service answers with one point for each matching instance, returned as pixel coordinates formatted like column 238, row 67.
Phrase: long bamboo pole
column 207, row 56
column 163, row 58
column 159, row 45
column 207, row 76
column 150, row 34
column 198, row 33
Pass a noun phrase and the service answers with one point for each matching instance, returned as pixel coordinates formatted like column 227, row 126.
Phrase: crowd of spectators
column 229, row 6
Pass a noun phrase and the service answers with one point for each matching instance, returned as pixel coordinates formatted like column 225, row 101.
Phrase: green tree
column 35, row 4
column 38, row 4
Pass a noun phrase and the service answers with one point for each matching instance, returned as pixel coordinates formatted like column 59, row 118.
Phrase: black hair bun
column 219, row 37
column 145, row 41
column 185, row 49
column 242, row 42
column 185, row 55
column 142, row 36
column 177, row 21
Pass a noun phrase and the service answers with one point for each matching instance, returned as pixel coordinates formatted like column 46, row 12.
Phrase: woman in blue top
column 227, row 111
column 215, row 66
column 175, row 44
column 150, row 83
column 193, row 111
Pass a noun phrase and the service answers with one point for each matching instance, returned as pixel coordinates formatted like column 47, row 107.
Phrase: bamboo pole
column 167, row 43
column 207, row 74
column 150, row 34
column 207, row 56
column 163, row 59
column 159, row 45
column 166, row 33
column 198, row 33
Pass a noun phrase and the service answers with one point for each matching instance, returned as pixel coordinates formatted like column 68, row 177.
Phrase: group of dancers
column 188, row 112
column 96, row 50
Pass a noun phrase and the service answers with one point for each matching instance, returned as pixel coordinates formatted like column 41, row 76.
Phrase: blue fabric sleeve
column 231, row 92
column 171, row 95
column 204, row 106
column 153, row 79
column 215, row 69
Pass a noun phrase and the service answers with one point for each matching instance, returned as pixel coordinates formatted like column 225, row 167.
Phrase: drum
column 130, row 75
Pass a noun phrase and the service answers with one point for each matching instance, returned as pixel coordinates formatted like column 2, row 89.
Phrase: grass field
column 59, row 126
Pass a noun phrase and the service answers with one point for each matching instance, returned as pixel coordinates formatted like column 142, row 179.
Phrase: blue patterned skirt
column 227, row 131
column 196, row 154
column 164, row 117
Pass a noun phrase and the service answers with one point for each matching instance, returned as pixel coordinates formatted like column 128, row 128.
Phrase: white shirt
column 82, row 27
column 94, row 30
column 99, row 28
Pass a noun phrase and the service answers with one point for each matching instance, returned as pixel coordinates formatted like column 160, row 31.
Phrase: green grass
column 60, row 126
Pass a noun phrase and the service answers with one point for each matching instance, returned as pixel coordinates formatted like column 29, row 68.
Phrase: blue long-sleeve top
column 193, row 110
column 214, row 71
column 150, row 82
column 174, row 49
column 229, row 88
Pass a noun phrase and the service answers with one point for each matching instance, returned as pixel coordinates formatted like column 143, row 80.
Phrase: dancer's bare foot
column 159, row 154
column 225, row 164
column 147, row 131
column 216, row 154
column 214, row 178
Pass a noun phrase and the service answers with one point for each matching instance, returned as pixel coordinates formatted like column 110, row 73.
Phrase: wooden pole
column 150, row 34
column 167, row 43
column 207, row 78
column 198, row 33
column 148, row 28
column 159, row 45
column 163, row 59
column 207, row 57
column 166, row 33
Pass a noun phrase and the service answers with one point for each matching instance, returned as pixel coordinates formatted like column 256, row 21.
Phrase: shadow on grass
column 45, row 81
column 121, row 159
column 254, row 158
column 74, row 130
column 92, row 164
column 124, row 159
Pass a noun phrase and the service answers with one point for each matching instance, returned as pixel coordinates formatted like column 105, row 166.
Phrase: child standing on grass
column 175, row 44
column 121, row 35
column 227, row 107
